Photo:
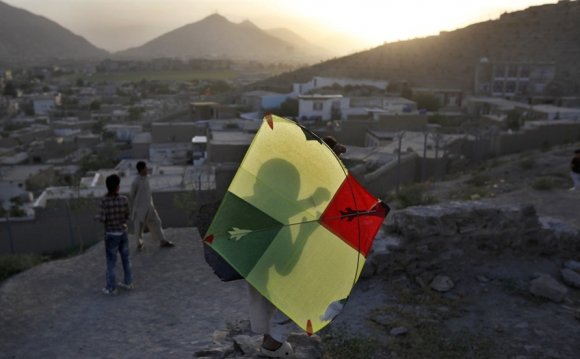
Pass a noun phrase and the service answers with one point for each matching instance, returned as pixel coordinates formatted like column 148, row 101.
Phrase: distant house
column 28, row 177
column 212, row 110
column 491, row 107
column 552, row 113
column 447, row 97
column 120, row 115
column 173, row 132
column 320, row 82
column 513, row 79
column 43, row 104
column 398, row 105
column 124, row 132
column 140, row 145
column 323, row 107
column 263, row 100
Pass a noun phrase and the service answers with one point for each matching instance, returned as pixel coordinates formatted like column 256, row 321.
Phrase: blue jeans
column 120, row 243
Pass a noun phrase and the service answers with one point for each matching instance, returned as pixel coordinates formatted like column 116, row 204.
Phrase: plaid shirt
column 114, row 212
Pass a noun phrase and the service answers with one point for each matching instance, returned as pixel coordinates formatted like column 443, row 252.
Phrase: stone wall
column 425, row 234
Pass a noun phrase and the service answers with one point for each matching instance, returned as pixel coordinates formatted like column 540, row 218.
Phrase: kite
column 296, row 224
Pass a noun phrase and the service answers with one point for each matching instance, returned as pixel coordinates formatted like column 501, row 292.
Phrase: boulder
column 442, row 283
column 547, row 287
column 573, row 265
column 571, row 277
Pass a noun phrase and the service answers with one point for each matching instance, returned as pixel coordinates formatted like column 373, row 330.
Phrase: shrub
column 337, row 344
column 478, row 180
column 12, row 264
column 527, row 164
column 414, row 195
column 543, row 184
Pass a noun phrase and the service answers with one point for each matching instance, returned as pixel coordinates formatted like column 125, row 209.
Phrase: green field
column 182, row 75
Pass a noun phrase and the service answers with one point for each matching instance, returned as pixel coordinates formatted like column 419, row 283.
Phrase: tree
column 289, row 107
column 335, row 113
column 135, row 113
column 95, row 105
column 10, row 90
column 427, row 101
column 513, row 120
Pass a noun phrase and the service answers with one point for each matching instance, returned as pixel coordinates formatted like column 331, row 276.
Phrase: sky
column 119, row 24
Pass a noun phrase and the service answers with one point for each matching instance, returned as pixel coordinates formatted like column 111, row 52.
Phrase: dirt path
column 57, row 310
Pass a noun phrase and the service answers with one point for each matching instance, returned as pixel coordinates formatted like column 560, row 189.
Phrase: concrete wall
column 225, row 152
column 65, row 225
column 531, row 138
column 173, row 132
column 537, row 137
column 384, row 179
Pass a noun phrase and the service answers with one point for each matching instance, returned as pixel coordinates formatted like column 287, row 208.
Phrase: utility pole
column 400, row 136
column 9, row 230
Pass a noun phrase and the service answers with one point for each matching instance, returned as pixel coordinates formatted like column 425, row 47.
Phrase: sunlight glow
column 118, row 24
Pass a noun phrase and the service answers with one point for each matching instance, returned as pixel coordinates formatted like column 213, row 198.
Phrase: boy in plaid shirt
column 114, row 213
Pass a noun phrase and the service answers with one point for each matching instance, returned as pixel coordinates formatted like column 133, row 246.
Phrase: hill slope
column 28, row 37
column 547, row 33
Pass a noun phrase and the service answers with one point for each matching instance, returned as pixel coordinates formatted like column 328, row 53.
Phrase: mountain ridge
column 28, row 37
column 540, row 34
column 217, row 37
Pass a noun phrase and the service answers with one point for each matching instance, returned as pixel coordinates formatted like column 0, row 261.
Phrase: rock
column 442, row 283
column 547, row 287
column 306, row 347
column 571, row 277
column 452, row 253
column 248, row 345
column 381, row 262
column 462, row 218
column 220, row 336
column 482, row 278
column 369, row 269
column 573, row 265
column 210, row 353
column 399, row 331
column 522, row 325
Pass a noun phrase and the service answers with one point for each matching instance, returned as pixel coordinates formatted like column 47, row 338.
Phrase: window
column 317, row 106
column 510, row 87
column 525, row 71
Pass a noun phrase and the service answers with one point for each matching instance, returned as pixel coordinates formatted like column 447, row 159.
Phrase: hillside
column 489, row 251
column 217, row 37
column 540, row 34
column 32, row 38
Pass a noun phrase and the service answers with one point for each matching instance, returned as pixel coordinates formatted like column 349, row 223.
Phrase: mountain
column 32, row 38
column 299, row 42
column 217, row 37
column 539, row 34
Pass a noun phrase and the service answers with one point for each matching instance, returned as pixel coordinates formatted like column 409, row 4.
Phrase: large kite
column 295, row 224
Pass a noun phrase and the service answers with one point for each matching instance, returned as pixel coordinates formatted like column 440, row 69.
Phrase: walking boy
column 114, row 213
column 575, row 170
column 144, row 212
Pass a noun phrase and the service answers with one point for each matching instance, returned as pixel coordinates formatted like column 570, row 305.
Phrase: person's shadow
column 276, row 192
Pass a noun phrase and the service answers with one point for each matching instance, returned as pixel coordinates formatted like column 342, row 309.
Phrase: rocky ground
column 491, row 277
column 487, row 304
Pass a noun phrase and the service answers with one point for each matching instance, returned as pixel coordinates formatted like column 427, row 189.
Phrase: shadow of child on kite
column 279, row 181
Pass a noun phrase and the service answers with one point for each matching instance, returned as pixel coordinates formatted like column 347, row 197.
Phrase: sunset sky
column 119, row 24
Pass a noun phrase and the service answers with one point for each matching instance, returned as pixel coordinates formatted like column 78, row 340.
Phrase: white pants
column 265, row 318
column 576, row 179
column 153, row 223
